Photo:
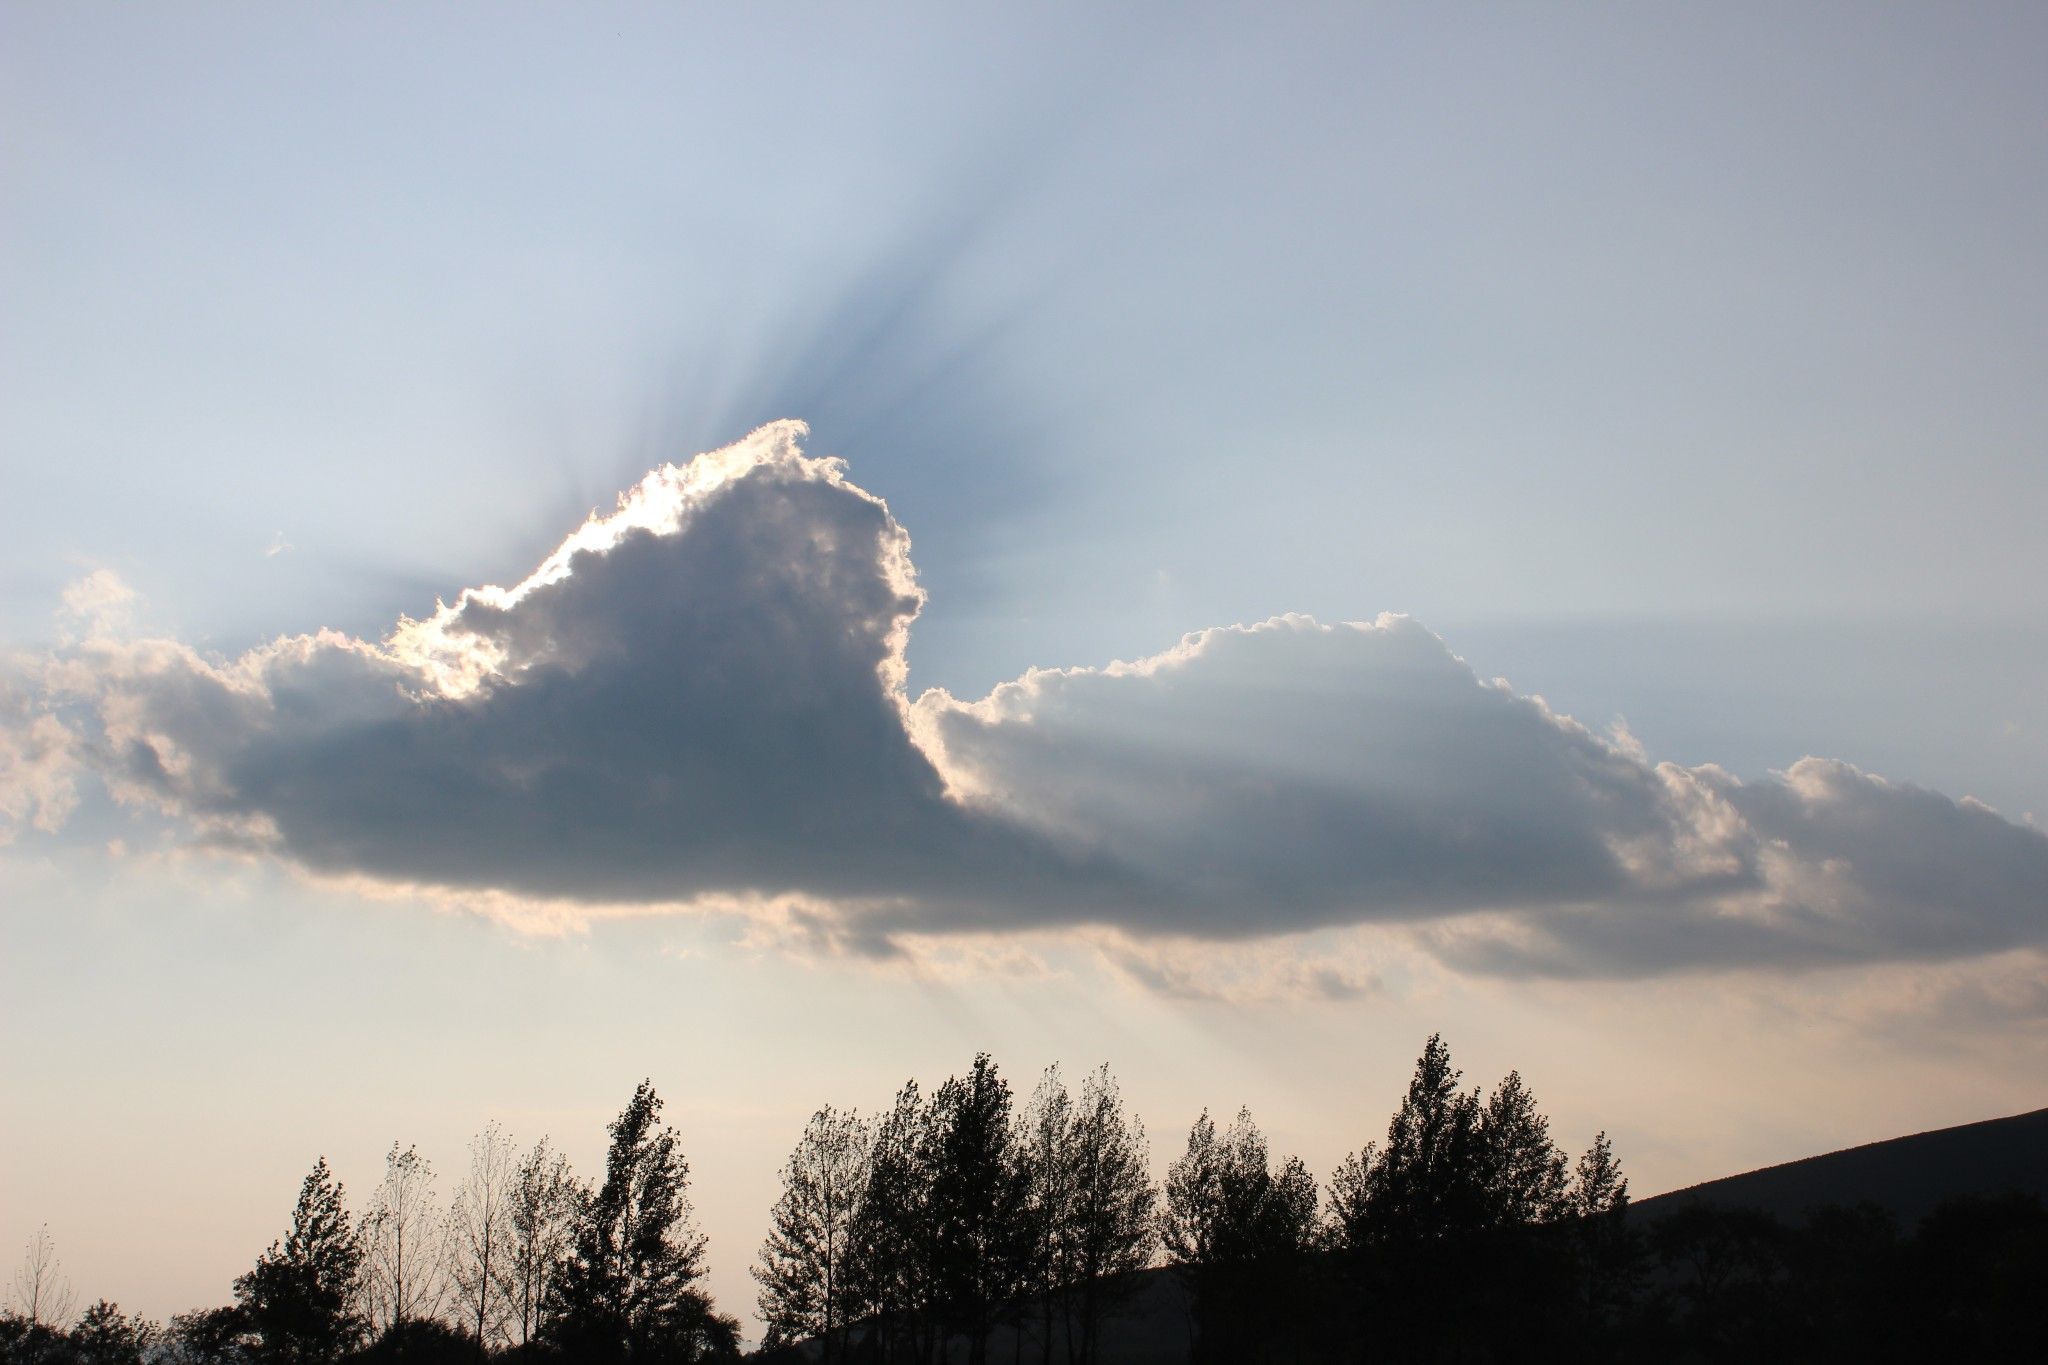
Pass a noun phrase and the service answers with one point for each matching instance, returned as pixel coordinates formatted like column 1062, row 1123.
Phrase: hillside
column 1907, row 1175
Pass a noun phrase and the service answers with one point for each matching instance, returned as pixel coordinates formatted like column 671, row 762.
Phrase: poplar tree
column 892, row 1270
column 1427, row 1182
column 481, row 1242
column 1524, row 1177
column 807, row 1285
column 405, row 1241
column 1045, row 1139
column 300, row 1299
column 977, row 1209
column 1108, row 1230
column 1600, row 1190
column 1607, row 1247
column 628, row 1290
column 546, row 1202
column 41, row 1293
column 1239, row 1231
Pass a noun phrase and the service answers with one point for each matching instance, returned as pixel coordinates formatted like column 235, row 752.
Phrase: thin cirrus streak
column 701, row 697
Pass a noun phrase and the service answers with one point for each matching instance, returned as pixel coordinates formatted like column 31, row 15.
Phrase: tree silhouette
column 107, row 1336
column 546, row 1203
column 1524, row 1178
column 920, row 1236
column 41, row 1293
column 1439, row 1227
column 210, row 1336
column 1044, row 1147
column 299, row 1301
column 977, row 1208
column 1607, row 1246
column 1599, row 1189
column 405, row 1244
column 892, row 1269
column 480, row 1236
column 807, row 1289
column 1428, row 1181
column 628, row 1290
column 1240, row 1234
column 1109, row 1229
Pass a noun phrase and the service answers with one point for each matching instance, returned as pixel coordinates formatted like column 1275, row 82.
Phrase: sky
column 1225, row 541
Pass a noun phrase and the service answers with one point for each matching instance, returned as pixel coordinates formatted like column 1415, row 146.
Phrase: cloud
column 699, row 700
column 699, row 694
column 38, row 788
column 98, row 604
column 1283, row 971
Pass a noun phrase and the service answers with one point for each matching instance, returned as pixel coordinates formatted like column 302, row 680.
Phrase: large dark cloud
column 701, row 695
column 697, row 695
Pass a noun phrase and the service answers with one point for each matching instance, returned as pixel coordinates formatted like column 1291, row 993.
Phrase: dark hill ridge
column 1907, row 1175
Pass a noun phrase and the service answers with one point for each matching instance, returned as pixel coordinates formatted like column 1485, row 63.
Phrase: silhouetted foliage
column 807, row 1288
column 1429, row 1181
column 422, row 1341
column 970, row 1217
column 977, row 1205
column 107, row 1336
column 1607, row 1249
column 405, row 1244
column 1094, row 1203
column 24, row 1340
column 299, row 1301
column 42, row 1295
column 1044, row 1130
column 1241, row 1234
column 891, row 1273
column 957, row 1228
column 628, row 1290
column 547, row 1201
column 481, row 1238
column 1523, row 1178
column 211, row 1336
column 1464, row 1229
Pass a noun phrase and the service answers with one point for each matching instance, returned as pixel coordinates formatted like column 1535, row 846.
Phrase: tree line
column 943, row 1218
column 947, row 1215
column 962, row 1225
column 525, row 1261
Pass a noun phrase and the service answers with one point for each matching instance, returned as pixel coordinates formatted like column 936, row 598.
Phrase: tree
column 1601, row 1190
column 210, row 1336
column 977, row 1210
column 107, row 1336
column 546, row 1201
column 1524, row 1179
column 891, row 1271
column 1108, row 1230
column 1607, row 1247
column 628, row 1290
column 405, row 1241
column 1239, row 1232
column 1045, row 1148
column 806, row 1287
column 1428, row 1182
column 481, row 1237
column 299, row 1301
column 41, row 1293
